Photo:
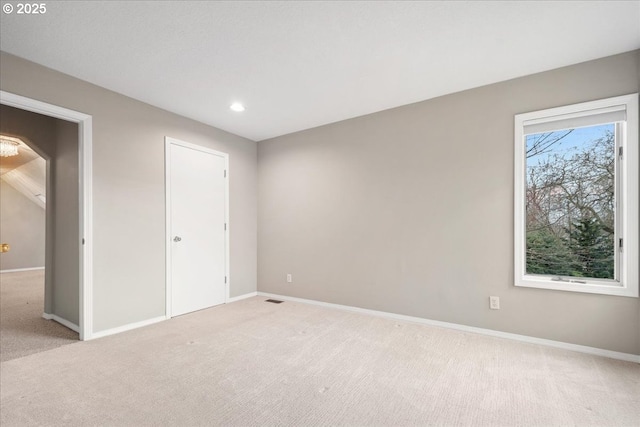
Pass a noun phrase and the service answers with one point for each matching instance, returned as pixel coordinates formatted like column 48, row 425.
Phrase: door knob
column 177, row 239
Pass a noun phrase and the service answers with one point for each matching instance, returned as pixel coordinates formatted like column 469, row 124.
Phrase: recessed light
column 236, row 106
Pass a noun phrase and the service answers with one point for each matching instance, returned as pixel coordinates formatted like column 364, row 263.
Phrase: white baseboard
column 128, row 327
column 516, row 337
column 241, row 297
column 14, row 270
column 62, row 321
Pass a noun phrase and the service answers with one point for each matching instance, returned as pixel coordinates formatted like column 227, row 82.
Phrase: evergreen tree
column 593, row 248
column 549, row 254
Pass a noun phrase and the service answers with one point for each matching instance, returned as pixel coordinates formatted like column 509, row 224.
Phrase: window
column 576, row 197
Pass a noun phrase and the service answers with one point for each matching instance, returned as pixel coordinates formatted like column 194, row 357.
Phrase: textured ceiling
column 297, row 65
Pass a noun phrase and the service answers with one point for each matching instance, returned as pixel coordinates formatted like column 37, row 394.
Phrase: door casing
column 85, row 178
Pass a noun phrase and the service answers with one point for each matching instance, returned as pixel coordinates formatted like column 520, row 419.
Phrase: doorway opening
column 27, row 279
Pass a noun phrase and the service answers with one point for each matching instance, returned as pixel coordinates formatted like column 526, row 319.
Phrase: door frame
column 168, row 141
column 85, row 181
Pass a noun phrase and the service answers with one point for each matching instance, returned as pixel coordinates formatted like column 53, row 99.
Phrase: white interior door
column 197, row 227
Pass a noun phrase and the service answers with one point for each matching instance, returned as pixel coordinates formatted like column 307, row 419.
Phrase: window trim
column 627, row 205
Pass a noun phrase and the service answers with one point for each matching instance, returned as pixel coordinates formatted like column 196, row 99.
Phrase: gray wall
column 22, row 226
column 66, row 223
column 410, row 211
column 128, row 190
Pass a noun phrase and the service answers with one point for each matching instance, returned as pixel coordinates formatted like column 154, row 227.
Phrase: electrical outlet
column 289, row 278
column 494, row 303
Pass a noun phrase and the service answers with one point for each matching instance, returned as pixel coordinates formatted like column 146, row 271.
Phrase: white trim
column 86, row 229
column 227, row 236
column 576, row 119
column 241, row 297
column 626, row 260
column 14, row 270
column 482, row 331
column 167, row 191
column 85, row 171
column 128, row 327
column 167, row 227
column 62, row 321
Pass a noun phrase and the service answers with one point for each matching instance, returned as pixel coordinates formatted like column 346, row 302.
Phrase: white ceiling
column 297, row 65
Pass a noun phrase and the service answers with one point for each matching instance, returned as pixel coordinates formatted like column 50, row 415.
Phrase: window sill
column 591, row 287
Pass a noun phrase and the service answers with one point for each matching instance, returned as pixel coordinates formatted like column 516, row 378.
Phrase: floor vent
column 275, row 301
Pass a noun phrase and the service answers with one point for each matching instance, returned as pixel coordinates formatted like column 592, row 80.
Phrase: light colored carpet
column 252, row 363
column 23, row 331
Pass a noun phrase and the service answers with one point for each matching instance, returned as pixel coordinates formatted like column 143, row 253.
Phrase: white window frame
column 626, row 283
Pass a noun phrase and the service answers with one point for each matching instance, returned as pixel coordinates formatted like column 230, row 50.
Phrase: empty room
column 322, row 213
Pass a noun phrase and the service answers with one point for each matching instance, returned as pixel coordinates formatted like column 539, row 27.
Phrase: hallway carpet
column 23, row 331
column 252, row 363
